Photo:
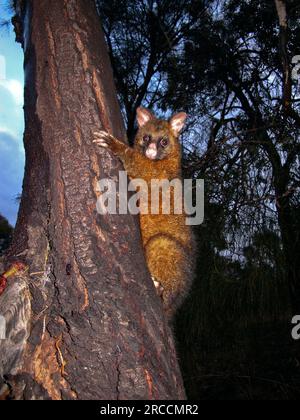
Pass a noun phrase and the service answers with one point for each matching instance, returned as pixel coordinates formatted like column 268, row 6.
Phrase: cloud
column 6, row 131
column 15, row 88
column 13, row 136
column 11, row 176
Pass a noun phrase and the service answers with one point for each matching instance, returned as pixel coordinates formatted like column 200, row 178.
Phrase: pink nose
column 151, row 152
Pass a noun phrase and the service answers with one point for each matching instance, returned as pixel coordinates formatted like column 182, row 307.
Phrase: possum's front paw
column 158, row 286
column 103, row 139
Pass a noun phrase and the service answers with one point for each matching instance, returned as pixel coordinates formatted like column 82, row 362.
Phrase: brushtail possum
column 167, row 240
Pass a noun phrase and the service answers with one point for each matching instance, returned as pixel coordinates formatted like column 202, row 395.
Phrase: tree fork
column 84, row 322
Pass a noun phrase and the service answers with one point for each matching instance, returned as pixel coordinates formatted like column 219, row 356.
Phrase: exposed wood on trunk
column 281, row 10
column 97, row 329
column 286, row 63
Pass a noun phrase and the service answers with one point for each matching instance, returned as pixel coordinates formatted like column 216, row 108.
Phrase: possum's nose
column 151, row 151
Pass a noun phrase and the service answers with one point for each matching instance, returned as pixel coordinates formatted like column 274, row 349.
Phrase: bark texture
column 85, row 321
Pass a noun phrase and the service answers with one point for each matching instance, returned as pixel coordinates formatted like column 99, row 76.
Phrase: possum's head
column 157, row 139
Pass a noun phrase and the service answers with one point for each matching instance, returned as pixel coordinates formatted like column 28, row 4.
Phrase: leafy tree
column 141, row 36
column 247, row 95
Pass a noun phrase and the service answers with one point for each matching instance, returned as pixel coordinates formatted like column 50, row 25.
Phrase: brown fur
column 167, row 240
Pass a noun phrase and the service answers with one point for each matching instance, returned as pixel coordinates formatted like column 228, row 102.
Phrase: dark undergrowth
column 257, row 362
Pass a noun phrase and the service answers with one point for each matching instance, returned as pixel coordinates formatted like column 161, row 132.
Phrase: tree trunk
column 85, row 321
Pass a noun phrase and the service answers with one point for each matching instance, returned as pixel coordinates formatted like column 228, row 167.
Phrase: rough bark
column 85, row 321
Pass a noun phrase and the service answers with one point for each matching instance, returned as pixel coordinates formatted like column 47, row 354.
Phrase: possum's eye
column 164, row 142
column 147, row 139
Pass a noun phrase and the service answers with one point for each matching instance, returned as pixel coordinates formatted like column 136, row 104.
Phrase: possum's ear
column 143, row 116
column 177, row 122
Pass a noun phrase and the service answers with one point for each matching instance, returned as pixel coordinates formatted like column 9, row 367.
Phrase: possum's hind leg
column 170, row 267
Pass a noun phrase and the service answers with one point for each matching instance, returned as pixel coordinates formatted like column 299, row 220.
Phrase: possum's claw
column 102, row 139
column 159, row 288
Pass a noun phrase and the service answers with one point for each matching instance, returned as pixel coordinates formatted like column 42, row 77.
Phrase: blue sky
column 11, row 121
